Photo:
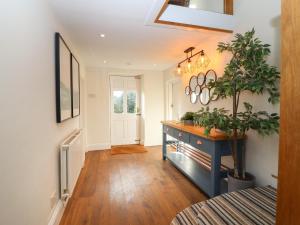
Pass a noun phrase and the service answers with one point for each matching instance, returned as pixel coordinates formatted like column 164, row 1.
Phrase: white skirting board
column 57, row 213
column 99, row 146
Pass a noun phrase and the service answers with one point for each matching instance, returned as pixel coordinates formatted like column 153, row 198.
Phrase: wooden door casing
column 289, row 157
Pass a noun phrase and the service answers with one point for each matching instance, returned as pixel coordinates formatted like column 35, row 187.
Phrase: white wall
column 154, row 107
column 29, row 135
column 98, row 106
column 262, row 153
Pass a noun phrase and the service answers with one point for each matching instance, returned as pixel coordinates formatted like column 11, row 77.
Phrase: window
column 118, row 101
column 131, row 102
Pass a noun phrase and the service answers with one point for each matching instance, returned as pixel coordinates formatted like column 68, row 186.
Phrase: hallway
column 129, row 189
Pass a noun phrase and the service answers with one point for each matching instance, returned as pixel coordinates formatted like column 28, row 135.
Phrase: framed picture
column 63, row 79
column 75, row 87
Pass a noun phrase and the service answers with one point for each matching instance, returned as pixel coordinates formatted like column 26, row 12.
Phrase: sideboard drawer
column 181, row 136
column 202, row 144
column 169, row 130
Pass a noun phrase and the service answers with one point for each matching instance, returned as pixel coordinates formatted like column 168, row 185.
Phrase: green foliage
column 118, row 103
column 247, row 71
column 188, row 116
column 131, row 102
column 262, row 122
column 218, row 118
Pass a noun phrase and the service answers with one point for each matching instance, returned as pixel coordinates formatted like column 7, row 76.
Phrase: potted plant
column 188, row 118
column 247, row 71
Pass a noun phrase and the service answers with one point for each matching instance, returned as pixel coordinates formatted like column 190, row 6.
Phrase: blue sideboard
column 215, row 145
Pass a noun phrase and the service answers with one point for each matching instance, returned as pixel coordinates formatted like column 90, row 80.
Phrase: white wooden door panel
column 124, row 105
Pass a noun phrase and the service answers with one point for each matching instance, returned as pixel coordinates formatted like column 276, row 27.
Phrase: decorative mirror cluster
column 198, row 88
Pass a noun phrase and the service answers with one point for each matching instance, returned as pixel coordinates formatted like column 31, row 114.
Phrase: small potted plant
column 188, row 118
column 247, row 71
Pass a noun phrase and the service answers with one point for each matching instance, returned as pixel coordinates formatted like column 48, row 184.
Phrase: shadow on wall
column 275, row 23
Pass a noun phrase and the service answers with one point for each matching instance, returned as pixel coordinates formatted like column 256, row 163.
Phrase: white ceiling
column 128, row 40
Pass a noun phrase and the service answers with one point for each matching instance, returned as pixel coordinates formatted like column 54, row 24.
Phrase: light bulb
column 189, row 64
column 178, row 70
column 202, row 59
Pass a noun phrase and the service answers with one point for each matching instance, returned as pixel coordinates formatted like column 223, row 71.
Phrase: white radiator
column 71, row 162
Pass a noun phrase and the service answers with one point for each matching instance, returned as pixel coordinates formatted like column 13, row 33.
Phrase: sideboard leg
column 164, row 146
column 215, row 173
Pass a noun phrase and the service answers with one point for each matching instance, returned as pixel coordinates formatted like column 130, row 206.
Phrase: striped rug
column 247, row 207
column 189, row 215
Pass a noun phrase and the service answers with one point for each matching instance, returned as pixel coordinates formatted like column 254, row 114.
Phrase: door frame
column 288, row 195
column 169, row 96
column 139, row 131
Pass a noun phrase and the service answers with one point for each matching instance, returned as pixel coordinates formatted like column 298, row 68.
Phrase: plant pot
column 219, row 131
column 188, row 122
column 235, row 184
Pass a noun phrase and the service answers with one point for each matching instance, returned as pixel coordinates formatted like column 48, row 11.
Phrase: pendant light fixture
column 179, row 69
column 192, row 64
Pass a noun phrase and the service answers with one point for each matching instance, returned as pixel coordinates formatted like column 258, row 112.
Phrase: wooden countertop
column 198, row 131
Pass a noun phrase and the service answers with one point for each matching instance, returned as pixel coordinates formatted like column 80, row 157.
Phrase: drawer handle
column 199, row 142
column 180, row 135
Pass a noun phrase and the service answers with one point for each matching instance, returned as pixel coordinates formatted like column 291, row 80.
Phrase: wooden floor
column 129, row 189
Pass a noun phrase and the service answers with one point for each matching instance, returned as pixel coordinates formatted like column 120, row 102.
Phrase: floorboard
column 129, row 189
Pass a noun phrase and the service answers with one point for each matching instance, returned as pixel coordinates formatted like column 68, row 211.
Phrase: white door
column 175, row 99
column 124, row 110
column 169, row 100
column 172, row 99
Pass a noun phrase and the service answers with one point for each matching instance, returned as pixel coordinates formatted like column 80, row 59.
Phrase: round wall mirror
column 201, row 78
column 193, row 98
column 198, row 90
column 210, row 76
column 204, row 96
column 213, row 96
column 187, row 90
column 193, row 83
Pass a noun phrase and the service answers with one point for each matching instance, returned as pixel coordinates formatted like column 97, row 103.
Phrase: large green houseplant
column 247, row 71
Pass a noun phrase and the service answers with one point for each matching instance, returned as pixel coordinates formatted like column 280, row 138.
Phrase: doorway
column 172, row 99
column 125, row 110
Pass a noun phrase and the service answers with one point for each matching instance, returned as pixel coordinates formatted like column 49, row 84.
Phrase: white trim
column 99, row 146
column 142, row 142
column 168, row 97
column 57, row 213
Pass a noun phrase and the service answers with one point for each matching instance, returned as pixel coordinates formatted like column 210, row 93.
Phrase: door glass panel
column 131, row 102
column 118, row 101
